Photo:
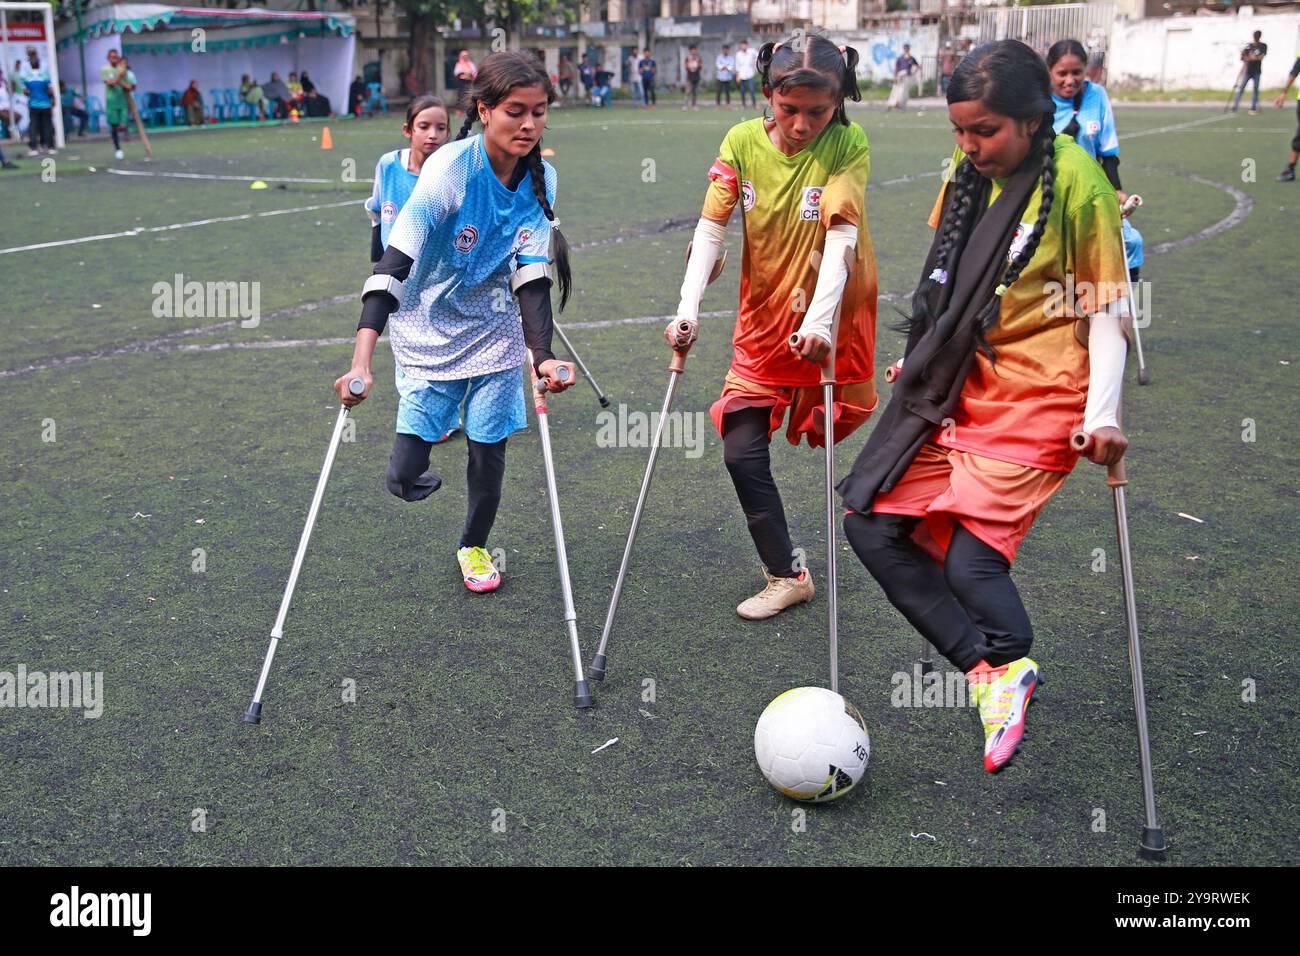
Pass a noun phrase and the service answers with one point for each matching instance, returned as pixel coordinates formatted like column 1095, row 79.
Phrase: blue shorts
column 494, row 406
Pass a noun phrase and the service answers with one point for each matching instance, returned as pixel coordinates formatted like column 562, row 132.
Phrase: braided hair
column 498, row 75
column 810, row 60
column 1009, row 78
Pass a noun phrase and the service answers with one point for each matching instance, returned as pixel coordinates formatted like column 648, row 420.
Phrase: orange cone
column 325, row 141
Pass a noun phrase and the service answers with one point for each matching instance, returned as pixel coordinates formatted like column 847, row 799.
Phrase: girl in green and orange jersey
column 1016, row 337
column 799, row 176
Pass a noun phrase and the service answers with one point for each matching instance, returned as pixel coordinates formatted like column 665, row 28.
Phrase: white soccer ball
column 812, row 744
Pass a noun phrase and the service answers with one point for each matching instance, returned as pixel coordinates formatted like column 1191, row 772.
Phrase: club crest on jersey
column 747, row 194
column 1094, row 127
column 388, row 211
column 522, row 237
column 812, row 203
column 1019, row 240
column 466, row 239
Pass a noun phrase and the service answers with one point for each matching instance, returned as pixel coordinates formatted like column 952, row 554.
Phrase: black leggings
column 968, row 609
column 408, row 477
column 746, row 451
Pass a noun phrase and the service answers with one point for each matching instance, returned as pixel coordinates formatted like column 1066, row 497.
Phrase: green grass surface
column 167, row 442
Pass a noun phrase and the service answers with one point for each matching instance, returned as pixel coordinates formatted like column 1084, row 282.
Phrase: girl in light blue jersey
column 426, row 128
column 464, row 287
column 1083, row 111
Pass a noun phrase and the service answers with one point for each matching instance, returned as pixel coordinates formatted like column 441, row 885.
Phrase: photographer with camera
column 1252, row 64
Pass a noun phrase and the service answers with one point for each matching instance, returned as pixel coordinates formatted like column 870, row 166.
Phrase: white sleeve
column 1107, row 351
column 704, row 252
column 375, row 203
column 841, row 240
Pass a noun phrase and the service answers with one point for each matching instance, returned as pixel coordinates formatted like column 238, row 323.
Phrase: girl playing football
column 799, row 175
column 999, row 371
column 464, row 288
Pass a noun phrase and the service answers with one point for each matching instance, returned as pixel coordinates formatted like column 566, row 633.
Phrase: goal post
column 49, row 60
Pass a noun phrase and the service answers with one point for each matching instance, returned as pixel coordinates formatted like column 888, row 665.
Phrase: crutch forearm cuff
column 531, row 272
column 383, row 283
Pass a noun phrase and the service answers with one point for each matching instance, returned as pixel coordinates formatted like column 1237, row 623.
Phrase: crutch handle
column 1130, row 204
column 543, row 384
column 1116, row 476
column 893, row 371
column 356, row 386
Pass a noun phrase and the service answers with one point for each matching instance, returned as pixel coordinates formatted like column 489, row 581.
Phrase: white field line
column 240, row 179
column 144, row 230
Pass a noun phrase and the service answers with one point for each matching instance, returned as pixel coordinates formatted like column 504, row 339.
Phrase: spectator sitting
column 295, row 88
column 600, row 91
column 252, row 94
column 73, row 105
column 357, row 96
column 192, row 103
column 315, row 104
column 277, row 94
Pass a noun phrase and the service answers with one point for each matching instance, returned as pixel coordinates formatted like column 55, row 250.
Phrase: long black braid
column 1045, row 141
column 499, row 74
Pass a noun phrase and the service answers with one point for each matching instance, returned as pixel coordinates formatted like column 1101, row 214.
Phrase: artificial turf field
column 180, row 433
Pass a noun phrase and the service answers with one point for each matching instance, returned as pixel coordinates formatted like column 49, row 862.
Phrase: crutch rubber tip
column 1144, row 377
column 1153, row 844
column 604, row 401
column 254, row 715
column 582, row 698
column 597, row 669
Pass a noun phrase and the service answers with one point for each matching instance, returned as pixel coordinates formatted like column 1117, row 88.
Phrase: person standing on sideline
column 724, row 72
column 692, row 66
column 947, row 63
column 464, row 71
column 1288, row 174
column 649, row 69
column 904, row 67
column 40, row 104
column 1252, row 59
column 633, row 64
column 587, row 75
column 117, row 112
column 567, row 75
column 746, row 69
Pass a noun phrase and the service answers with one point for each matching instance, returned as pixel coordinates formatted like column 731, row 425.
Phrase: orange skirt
column 997, row 501
column 853, row 405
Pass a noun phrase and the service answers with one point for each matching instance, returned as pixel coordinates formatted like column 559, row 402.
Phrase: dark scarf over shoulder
column 939, row 355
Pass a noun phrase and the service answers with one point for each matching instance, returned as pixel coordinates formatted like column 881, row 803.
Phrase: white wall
column 1173, row 53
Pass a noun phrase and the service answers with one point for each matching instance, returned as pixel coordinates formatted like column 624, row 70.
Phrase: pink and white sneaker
column 480, row 573
column 1003, row 694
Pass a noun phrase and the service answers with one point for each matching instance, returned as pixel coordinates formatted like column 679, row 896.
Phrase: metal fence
column 1040, row 27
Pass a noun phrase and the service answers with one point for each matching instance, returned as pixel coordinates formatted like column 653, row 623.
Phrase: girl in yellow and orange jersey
column 799, row 176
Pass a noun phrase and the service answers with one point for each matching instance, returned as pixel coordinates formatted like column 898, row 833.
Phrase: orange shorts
column 853, row 405
column 997, row 501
